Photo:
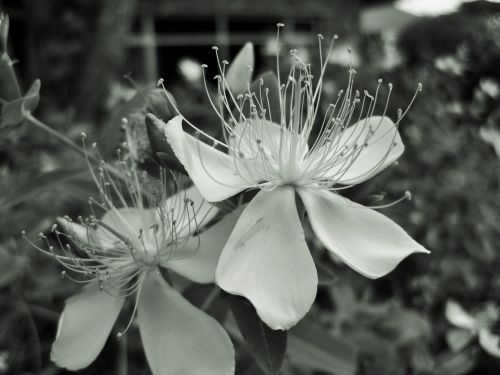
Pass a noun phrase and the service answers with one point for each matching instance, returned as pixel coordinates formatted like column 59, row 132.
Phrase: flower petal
column 185, row 222
column 137, row 225
column 78, row 233
column 489, row 342
column 200, row 255
column 266, row 260
column 457, row 316
column 212, row 171
column 366, row 240
column 84, row 327
column 381, row 146
column 249, row 137
column 177, row 337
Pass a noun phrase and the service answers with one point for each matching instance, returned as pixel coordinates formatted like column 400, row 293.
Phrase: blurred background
column 98, row 61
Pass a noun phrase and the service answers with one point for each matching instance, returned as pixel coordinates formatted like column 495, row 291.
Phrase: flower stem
column 70, row 144
column 122, row 356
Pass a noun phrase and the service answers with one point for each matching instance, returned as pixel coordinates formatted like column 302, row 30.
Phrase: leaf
column 4, row 31
column 15, row 111
column 36, row 185
column 310, row 345
column 456, row 363
column 239, row 72
column 265, row 345
column 162, row 151
column 9, row 87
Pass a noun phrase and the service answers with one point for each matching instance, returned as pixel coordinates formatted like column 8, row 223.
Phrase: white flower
column 120, row 255
column 279, row 145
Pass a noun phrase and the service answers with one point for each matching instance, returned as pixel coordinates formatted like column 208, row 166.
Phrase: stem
column 122, row 356
column 72, row 145
column 68, row 142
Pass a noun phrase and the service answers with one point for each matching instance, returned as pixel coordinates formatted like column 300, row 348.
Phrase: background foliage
column 396, row 325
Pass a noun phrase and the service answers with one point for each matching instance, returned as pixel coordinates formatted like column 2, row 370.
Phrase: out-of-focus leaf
column 15, row 111
column 310, row 345
column 266, row 346
column 35, row 185
column 239, row 72
column 162, row 151
column 405, row 326
column 456, row 363
column 12, row 265
column 458, row 338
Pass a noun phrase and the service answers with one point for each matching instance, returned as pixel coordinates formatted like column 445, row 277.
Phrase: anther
column 225, row 62
column 204, row 66
column 160, row 82
column 280, row 24
column 408, row 195
column 215, row 48
column 335, row 36
column 53, row 228
column 23, row 233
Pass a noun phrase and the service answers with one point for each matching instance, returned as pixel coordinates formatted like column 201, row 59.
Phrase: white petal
column 79, row 233
column 266, row 260
column 177, row 337
column 457, row 316
column 201, row 253
column 212, row 171
column 129, row 223
column 84, row 327
column 366, row 240
column 379, row 150
column 489, row 342
column 248, row 137
column 185, row 221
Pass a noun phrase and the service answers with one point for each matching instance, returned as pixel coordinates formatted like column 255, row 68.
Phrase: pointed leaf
column 310, row 345
column 239, row 72
column 266, row 346
column 9, row 87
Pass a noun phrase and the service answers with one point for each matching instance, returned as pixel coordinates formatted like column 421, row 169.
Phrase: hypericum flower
column 471, row 326
column 121, row 254
column 287, row 149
